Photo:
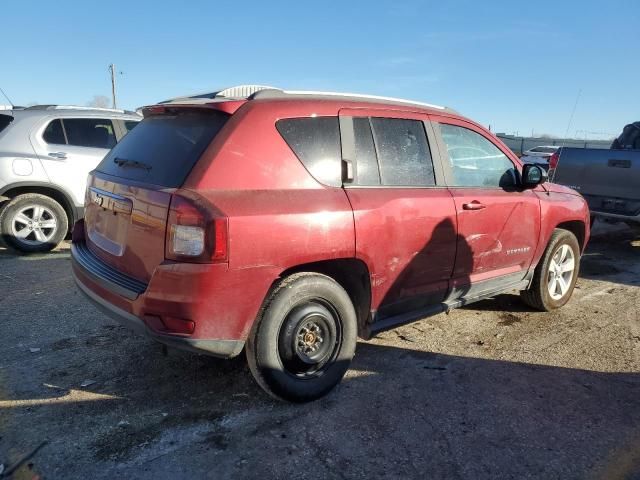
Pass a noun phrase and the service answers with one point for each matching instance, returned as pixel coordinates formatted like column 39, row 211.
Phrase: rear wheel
column 556, row 274
column 33, row 223
column 304, row 340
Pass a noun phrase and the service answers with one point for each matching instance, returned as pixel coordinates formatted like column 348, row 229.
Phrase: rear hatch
column 129, row 193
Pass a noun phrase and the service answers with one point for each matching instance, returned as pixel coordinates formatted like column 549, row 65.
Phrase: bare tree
column 99, row 101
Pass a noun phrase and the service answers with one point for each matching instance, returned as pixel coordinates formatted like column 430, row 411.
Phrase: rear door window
column 54, row 134
column 316, row 142
column 89, row 132
column 403, row 152
column 162, row 149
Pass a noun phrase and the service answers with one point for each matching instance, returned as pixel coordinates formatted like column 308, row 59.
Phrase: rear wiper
column 122, row 162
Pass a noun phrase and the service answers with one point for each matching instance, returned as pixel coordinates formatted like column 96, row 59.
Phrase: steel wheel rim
column 309, row 339
column 34, row 225
column 561, row 271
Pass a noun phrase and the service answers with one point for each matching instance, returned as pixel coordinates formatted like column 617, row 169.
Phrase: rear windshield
column 5, row 120
column 163, row 149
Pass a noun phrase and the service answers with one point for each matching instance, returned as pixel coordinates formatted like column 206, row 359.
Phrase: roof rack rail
column 78, row 107
column 275, row 93
column 255, row 92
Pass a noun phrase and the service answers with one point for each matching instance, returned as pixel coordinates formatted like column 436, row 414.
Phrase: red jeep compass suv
column 289, row 223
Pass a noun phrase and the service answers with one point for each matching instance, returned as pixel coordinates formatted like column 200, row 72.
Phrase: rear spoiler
column 226, row 106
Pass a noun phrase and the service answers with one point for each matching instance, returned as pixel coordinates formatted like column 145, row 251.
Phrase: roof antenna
column 575, row 105
column 5, row 96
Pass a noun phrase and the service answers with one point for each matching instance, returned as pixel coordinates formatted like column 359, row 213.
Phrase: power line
column 566, row 134
column 8, row 99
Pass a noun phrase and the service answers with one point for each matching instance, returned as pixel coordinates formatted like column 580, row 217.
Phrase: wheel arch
column 56, row 193
column 576, row 227
column 352, row 274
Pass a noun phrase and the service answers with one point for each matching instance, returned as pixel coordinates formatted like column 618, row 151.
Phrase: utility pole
column 112, row 69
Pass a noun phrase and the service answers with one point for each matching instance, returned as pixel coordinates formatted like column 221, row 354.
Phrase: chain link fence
column 520, row 144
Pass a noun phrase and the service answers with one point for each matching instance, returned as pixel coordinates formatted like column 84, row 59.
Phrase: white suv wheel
column 32, row 222
column 34, row 225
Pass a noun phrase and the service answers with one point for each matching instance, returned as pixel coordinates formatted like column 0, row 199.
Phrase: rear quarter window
column 5, row 120
column 162, row 149
column 316, row 142
column 130, row 125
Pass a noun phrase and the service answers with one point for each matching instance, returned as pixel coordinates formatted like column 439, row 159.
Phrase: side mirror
column 533, row 175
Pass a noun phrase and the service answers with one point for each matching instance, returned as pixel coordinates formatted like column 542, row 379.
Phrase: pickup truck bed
column 608, row 179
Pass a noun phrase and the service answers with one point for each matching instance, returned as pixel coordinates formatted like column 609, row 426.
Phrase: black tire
column 635, row 227
column 2, row 207
column 298, row 365
column 44, row 233
column 538, row 295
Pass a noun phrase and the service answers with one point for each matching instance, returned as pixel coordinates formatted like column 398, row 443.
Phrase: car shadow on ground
column 399, row 412
column 415, row 412
column 613, row 255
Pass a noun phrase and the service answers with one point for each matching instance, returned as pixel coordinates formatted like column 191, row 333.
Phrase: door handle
column 60, row 155
column 475, row 205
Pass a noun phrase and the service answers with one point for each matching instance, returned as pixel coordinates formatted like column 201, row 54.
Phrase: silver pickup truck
column 608, row 179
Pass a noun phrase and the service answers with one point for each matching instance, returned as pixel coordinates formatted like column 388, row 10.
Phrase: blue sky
column 517, row 66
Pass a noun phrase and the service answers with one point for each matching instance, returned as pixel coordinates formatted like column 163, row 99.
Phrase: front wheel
column 303, row 342
column 555, row 276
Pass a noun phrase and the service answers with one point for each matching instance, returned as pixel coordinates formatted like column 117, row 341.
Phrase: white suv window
column 89, row 132
column 54, row 133
column 81, row 132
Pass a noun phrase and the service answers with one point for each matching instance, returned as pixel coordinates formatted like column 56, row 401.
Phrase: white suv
column 46, row 153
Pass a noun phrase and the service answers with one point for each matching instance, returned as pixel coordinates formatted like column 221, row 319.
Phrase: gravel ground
column 493, row 390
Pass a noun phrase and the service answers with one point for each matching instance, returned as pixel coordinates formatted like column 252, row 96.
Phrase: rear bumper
column 218, row 348
column 127, row 303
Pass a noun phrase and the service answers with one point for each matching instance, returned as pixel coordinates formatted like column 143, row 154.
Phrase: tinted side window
column 54, row 133
column 474, row 160
column 129, row 125
column 90, row 132
column 366, row 161
column 403, row 152
column 316, row 142
column 5, row 120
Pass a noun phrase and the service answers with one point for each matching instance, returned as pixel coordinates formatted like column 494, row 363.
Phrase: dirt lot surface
column 493, row 390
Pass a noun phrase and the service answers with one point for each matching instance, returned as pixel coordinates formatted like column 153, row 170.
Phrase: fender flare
column 74, row 212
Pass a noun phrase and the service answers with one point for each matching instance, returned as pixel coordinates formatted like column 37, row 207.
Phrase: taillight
column 553, row 160
column 195, row 232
